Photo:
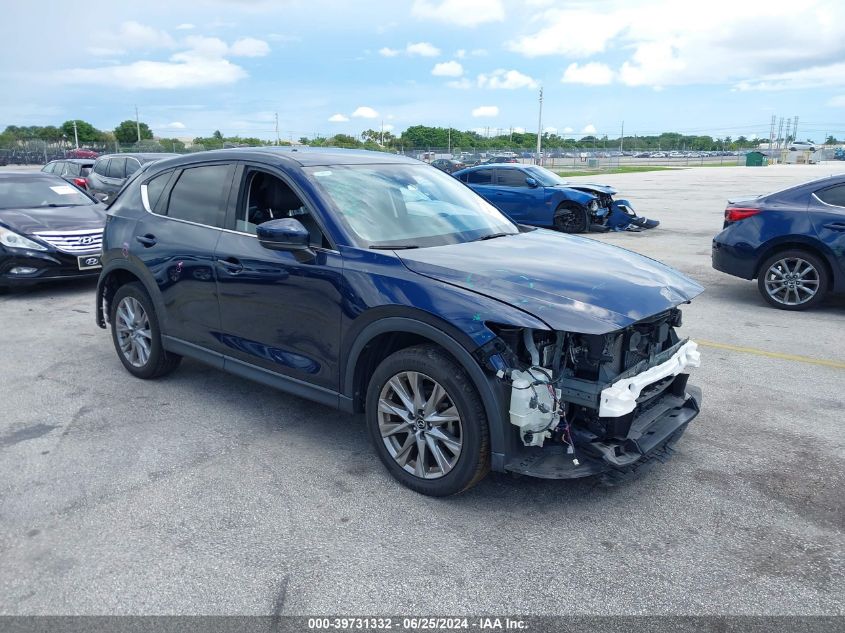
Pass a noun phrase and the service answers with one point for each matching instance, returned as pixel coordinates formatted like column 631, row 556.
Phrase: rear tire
column 571, row 218
column 420, row 402
column 136, row 334
column 793, row 280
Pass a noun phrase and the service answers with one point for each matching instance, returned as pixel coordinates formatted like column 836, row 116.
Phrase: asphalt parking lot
column 203, row 493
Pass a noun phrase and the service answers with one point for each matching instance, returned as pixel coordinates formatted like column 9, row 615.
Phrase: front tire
column 136, row 334
column 427, row 422
column 793, row 280
column 571, row 218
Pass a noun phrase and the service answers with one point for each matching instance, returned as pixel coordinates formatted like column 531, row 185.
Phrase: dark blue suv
column 791, row 241
column 378, row 284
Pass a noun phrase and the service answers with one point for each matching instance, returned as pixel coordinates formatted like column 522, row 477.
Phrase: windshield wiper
column 492, row 236
column 392, row 247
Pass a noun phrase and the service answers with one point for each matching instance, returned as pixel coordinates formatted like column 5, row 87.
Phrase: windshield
column 544, row 176
column 407, row 206
column 30, row 193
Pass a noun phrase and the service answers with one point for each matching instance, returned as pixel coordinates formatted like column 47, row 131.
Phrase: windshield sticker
column 64, row 190
column 322, row 173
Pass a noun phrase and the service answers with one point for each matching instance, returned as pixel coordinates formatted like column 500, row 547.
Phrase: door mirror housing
column 284, row 234
column 531, row 182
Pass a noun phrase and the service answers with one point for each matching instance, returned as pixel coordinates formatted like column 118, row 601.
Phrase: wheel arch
column 117, row 274
column 384, row 336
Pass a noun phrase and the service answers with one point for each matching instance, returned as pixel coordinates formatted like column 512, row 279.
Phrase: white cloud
column 184, row 70
column 460, row 53
column 387, row 127
column 365, row 112
column 506, row 79
column 592, row 74
column 461, row 84
column 588, row 129
column 549, row 130
column 201, row 62
column 836, row 102
column 175, row 125
column 338, row 118
column 249, row 47
column 447, row 69
column 568, row 130
column 460, row 12
column 818, row 76
column 185, row 27
column 388, row 52
column 574, row 33
column 486, row 111
column 519, row 130
column 665, row 42
column 423, row 49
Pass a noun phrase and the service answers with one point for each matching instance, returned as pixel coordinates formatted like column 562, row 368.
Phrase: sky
column 721, row 67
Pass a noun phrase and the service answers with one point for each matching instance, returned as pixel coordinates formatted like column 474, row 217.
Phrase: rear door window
column 132, row 166
column 200, row 195
column 833, row 195
column 117, row 168
column 480, row 177
column 101, row 166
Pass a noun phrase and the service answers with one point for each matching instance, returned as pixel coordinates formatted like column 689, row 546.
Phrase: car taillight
column 80, row 182
column 735, row 214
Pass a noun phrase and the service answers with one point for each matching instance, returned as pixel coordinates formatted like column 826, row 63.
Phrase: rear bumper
column 652, row 435
column 733, row 261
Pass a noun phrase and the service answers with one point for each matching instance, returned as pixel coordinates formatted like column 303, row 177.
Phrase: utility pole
column 382, row 133
column 786, row 135
column 780, row 132
column 137, row 124
column 795, row 128
column 75, row 135
column 772, row 135
column 622, row 138
column 449, row 141
column 276, row 115
column 540, row 129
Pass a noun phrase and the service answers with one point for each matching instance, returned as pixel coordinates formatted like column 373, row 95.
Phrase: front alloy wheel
column 420, row 425
column 427, row 421
column 792, row 280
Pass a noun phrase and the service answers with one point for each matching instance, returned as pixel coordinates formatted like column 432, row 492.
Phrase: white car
column 802, row 146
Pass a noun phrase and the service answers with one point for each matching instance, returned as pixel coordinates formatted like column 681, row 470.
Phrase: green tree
column 127, row 132
column 86, row 132
column 218, row 135
column 172, row 144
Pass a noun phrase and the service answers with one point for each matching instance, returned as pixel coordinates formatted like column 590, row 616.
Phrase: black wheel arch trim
column 143, row 275
column 489, row 388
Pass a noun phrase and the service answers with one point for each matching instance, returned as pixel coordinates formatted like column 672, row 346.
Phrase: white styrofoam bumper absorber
column 620, row 398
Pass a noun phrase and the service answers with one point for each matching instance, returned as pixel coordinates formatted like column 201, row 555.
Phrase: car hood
column 54, row 218
column 606, row 189
column 571, row 283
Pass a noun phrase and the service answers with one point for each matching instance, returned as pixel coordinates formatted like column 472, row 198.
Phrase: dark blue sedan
column 791, row 241
column 377, row 284
column 529, row 194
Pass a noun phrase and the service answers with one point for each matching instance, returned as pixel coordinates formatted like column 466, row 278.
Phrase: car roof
column 304, row 157
column 496, row 166
column 89, row 161
column 32, row 175
column 143, row 155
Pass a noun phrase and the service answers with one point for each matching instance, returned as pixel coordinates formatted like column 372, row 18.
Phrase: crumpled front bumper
column 652, row 434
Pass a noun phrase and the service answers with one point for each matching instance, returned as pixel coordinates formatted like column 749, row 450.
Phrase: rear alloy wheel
column 571, row 218
column 136, row 335
column 793, row 280
column 427, row 421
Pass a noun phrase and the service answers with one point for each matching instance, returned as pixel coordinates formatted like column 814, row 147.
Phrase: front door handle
column 835, row 226
column 232, row 264
column 147, row 240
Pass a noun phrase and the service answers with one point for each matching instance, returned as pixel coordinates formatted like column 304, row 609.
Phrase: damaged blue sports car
column 379, row 285
column 530, row 194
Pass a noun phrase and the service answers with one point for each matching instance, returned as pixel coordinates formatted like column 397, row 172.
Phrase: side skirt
column 238, row 367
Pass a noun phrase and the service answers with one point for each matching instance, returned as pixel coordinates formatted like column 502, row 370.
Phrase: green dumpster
column 755, row 159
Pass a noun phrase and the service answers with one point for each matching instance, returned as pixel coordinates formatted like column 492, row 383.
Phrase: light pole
column 137, row 125
column 75, row 135
column 540, row 129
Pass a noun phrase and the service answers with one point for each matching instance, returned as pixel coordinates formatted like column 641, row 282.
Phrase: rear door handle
column 232, row 264
column 147, row 240
column 835, row 226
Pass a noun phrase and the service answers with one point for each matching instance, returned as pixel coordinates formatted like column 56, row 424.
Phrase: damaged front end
column 581, row 404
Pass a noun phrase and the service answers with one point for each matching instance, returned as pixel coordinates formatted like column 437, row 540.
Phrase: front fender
column 572, row 195
column 115, row 267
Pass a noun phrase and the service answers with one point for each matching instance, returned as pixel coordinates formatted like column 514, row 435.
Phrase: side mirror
column 284, row 234
column 531, row 182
